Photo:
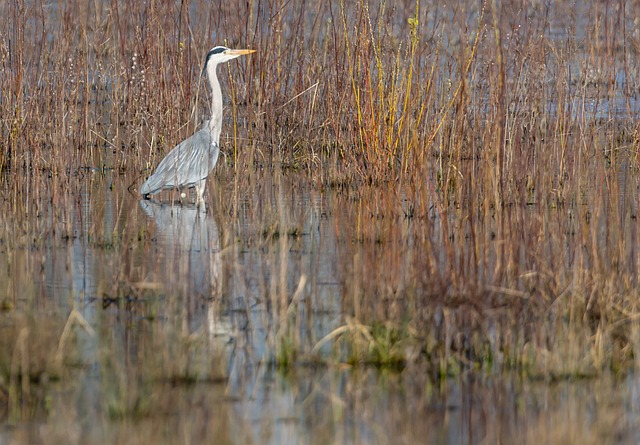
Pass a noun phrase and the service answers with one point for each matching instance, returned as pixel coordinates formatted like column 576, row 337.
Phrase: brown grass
column 483, row 158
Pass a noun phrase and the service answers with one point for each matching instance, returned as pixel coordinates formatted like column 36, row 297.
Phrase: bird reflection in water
column 189, row 251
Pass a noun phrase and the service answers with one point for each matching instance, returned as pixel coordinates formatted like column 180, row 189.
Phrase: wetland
column 423, row 226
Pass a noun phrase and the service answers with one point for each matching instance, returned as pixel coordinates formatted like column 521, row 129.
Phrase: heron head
column 220, row 54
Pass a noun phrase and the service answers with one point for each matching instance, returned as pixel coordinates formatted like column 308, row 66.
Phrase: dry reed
column 485, row 155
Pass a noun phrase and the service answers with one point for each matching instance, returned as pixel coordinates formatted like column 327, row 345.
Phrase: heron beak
column 239, row 52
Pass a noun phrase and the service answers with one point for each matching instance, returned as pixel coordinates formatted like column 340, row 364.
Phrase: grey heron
column 191, row 161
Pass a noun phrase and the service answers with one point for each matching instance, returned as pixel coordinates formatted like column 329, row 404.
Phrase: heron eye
column 216, row 50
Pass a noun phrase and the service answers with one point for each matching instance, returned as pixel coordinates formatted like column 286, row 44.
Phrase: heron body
column 186, row 166
column 191, row 161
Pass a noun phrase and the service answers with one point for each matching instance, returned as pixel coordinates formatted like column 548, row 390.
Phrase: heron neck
column 215, row 124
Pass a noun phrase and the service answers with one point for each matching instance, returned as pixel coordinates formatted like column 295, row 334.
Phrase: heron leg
column 200, row 191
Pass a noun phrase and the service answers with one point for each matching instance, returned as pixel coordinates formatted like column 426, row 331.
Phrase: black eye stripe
column 216, row 50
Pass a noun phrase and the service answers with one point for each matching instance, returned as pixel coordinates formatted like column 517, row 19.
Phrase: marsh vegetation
column 422, row 212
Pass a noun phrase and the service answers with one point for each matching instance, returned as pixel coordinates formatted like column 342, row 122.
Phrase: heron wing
column 189, row 162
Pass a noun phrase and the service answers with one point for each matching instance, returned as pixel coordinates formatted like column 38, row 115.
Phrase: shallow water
column 180, row 313
column 277, row 313
column 347, row 406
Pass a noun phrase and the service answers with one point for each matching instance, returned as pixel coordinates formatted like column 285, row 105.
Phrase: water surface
column 180, row 316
